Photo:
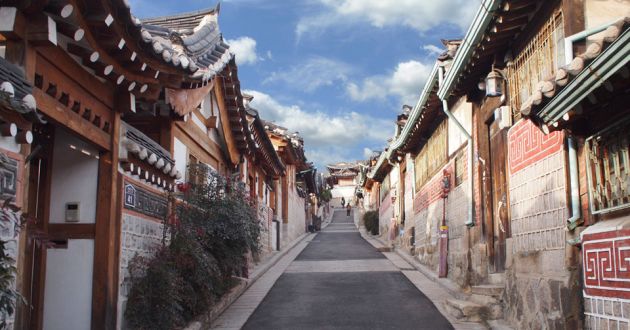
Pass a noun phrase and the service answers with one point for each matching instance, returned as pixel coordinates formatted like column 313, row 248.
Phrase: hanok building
column 126, row 105
column 519, row 150
column 263, row 172
column 342, row 179
column 294, row 187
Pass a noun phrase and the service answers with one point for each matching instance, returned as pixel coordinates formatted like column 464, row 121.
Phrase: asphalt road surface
column 340, row 281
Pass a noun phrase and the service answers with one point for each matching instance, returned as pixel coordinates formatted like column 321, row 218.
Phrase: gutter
column 475, row 33
column 576, row 213
column 609, row 62
column 469, row 168
column 568, row 41
column 416, row 112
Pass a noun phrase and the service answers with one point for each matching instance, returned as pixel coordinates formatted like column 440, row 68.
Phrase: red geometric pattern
column 528, row 144
column 432, row 191
column 606, row 263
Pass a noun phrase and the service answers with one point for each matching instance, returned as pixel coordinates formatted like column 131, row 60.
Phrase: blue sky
column 336, row 71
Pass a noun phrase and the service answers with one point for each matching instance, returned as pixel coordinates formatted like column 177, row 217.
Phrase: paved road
column 340, row 281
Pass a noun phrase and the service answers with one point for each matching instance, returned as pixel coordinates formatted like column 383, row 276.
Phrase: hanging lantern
column 494, row 83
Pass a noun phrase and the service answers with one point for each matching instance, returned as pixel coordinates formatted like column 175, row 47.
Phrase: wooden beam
column 64, row 116
column 71, row 231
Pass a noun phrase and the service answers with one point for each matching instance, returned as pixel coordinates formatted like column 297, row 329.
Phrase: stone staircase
column 484, row 303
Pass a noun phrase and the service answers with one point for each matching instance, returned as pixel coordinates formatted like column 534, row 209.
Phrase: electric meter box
column 72, row 212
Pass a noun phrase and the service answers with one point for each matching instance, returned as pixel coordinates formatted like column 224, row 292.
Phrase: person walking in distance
column 348, row 209
column 343, row 202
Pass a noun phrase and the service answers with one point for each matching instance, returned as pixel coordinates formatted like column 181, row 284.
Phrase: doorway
column 64, row 185
column 492, row 126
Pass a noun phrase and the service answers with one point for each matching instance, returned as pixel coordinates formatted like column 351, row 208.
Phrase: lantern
column 494, row 83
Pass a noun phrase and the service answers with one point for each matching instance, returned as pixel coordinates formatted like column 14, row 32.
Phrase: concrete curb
column 452, row 288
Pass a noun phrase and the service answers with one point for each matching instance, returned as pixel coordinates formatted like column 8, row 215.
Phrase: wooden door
column 497, row 199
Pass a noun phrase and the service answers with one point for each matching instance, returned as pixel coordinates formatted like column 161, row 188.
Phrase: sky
column 335, row 71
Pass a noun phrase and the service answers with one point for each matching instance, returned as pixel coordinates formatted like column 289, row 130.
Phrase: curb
column 451, row 288
column 224, row 303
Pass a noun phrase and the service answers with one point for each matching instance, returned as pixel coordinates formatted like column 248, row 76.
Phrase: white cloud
column 433, row 49
column 420, row 15
column 367, row 153
column 269, row 55
column 312, row 74
column 328, row 138
column 405, row 81
column 245, row 50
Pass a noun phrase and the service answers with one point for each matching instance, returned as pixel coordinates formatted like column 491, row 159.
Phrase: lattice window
column 538, row 60
column 608, row 169
column 432, row 156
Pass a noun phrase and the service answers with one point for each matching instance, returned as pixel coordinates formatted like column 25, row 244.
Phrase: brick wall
column 385, row 214
column 537, row 186
column 541, row 291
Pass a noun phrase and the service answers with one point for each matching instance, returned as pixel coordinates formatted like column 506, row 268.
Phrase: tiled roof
column 548, row 88
column 183, row 21
column 200, row 49
column 15, row 92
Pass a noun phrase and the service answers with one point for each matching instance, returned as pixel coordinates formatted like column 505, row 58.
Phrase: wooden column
column 107, row 240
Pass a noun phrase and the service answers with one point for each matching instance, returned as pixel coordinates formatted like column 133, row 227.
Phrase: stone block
column 466, row 310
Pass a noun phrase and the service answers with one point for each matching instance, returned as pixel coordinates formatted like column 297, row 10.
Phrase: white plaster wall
column 346, row 192
column 68, row 291
column 8, row 143
column 198, row 122
column 463, row 112
column 297, row 219
column 74, row 178
column 180, row 155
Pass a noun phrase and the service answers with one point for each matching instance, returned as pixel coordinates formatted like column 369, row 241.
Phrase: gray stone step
column 496, row 278
column 493, row 305
column 466, row 310
column 499, row 325
column 493, row 290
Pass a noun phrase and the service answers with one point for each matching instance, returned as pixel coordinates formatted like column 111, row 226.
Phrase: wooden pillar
column 107, row 240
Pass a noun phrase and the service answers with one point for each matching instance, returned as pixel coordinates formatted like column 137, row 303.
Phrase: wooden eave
column 508, row 23
column 236, row 114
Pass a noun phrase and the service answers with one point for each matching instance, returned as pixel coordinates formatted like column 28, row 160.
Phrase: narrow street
column 341, row 281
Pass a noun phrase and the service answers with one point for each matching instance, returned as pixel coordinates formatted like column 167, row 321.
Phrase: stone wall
column 139, row 236
column 542, row 286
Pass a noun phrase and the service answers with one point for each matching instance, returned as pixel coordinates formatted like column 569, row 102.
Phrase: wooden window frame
column 432, row 157
column 538, row 59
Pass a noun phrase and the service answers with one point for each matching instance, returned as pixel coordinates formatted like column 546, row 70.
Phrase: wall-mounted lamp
column 494, row 83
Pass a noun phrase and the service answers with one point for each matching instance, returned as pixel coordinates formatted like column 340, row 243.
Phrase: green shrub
column 370, row 219
column 213, row 227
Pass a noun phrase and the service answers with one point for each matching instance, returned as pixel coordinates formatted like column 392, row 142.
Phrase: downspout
column 470, row 221
column 576, row 213
column 568, row 41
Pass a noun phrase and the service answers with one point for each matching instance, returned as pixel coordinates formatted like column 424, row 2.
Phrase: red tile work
column 606, row 263
column 431, row 191
column 528, row 144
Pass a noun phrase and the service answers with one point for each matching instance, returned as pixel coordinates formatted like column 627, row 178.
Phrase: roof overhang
column 608, row 63
column 473, row 36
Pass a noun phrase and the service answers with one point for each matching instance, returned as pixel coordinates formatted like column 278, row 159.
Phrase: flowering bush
column 212, row 227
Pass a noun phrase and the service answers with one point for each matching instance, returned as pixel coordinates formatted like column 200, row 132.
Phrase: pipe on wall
column 576, row 213
column 470, row 221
